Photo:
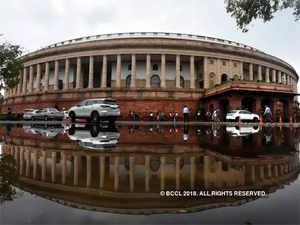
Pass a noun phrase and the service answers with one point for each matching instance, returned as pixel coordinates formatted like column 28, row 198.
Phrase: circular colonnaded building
column 151, row 71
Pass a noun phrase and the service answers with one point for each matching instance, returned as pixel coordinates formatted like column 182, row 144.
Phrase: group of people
column 214, row 115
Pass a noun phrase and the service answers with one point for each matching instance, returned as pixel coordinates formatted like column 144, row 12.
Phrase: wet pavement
column 149, row 173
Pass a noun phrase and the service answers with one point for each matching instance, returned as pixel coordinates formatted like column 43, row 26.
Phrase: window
column 224, row 63
column 180, row 67
column 129, row 67
column 211, row 61
column 155, row 81
column 155, row 67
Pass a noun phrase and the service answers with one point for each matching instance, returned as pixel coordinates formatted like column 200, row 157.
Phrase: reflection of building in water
column 132, row 181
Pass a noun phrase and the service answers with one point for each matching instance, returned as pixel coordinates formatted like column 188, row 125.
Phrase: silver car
column 28, row 113
column 95, row 110
column 48, row 114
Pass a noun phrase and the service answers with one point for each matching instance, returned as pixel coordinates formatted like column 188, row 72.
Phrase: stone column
column 205, row 73
column 274, row 75
column 44, row 165
column 251, row 71
column 20, row 84
column 177, row 171
column 193, row 172
column 259, row 73
column 279, row 77
column 116, row 173
column 24, row 81
column 118, row 71
column 38, row 77
column 88, row 171
column 163, row 71
column 162, row 172
column 147, row 173
column 267, row 75
column 21, row 162
column 78, row 73
column 35, row 162
column 67, row 74
column 28, row 161
column 64, row 168
column 192, row 72
column 131, row 173
column 148, row 70
column 133, row 70
column 47, row 76
column 56, row 68
column 30, row 78
column 241, row 71
column 102, row 170
column 53, row 167
column 177, row 71
column 91, row 72
column 104, row 72
column 76, row 169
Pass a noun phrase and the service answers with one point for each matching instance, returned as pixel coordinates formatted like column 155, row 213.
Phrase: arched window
column 128, row 81
column 236, row 77
column 223, row 78
column 155, row 81
column 181, row 82
column 155, row 67
column 129, row 67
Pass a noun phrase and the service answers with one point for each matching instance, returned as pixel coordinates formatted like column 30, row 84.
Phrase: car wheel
column 237, row 119
column 72, row 116
column 255, row 120
column 94, row 130
column 95, row 117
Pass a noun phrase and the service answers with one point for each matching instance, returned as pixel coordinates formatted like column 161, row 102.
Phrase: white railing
column 151, row 35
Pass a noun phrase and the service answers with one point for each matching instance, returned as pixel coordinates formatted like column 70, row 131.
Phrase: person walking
column 186, row 112
column 267, row 114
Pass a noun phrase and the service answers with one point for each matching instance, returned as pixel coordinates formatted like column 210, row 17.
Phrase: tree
column 10, row 65
column 245, row 11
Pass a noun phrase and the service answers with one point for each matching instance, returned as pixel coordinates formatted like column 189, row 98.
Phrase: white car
column 94, row 137
column 241, row 131
column 236, row 115
column 28, row 113
column 95, row 110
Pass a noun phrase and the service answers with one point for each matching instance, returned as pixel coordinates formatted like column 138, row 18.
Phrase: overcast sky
column 34, row 23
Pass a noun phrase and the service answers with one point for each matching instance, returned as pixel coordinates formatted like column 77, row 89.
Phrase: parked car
column 237, row 131
column 95, row 110
column 236, row 115
column 28, row 113
column 48, row 114
column 100, row 136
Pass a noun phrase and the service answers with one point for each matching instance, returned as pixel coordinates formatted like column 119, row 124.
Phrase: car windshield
column 109, row 102
column 233, row 111
column 28, row 110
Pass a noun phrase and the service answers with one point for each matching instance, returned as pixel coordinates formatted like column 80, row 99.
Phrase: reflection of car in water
column 94, row 136
column 45, row 130
column 236, row 115
column 242, row 131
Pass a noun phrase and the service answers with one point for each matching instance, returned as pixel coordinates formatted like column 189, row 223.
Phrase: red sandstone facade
column 155, row 71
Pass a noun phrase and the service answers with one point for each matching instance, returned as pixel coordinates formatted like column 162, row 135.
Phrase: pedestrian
column 198, row 115
column 151, row 116
column 171, row 116
column 176, row 116
column 208, row 115
column 186, row 112
column 267, row 114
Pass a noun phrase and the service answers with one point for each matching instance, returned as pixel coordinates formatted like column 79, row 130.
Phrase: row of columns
column 282, row 77
column 26, row 159
column 22, row 89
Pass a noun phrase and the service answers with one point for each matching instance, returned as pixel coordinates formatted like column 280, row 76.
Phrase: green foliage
column 10, row 65
column 8, row 177
column 245, row 11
